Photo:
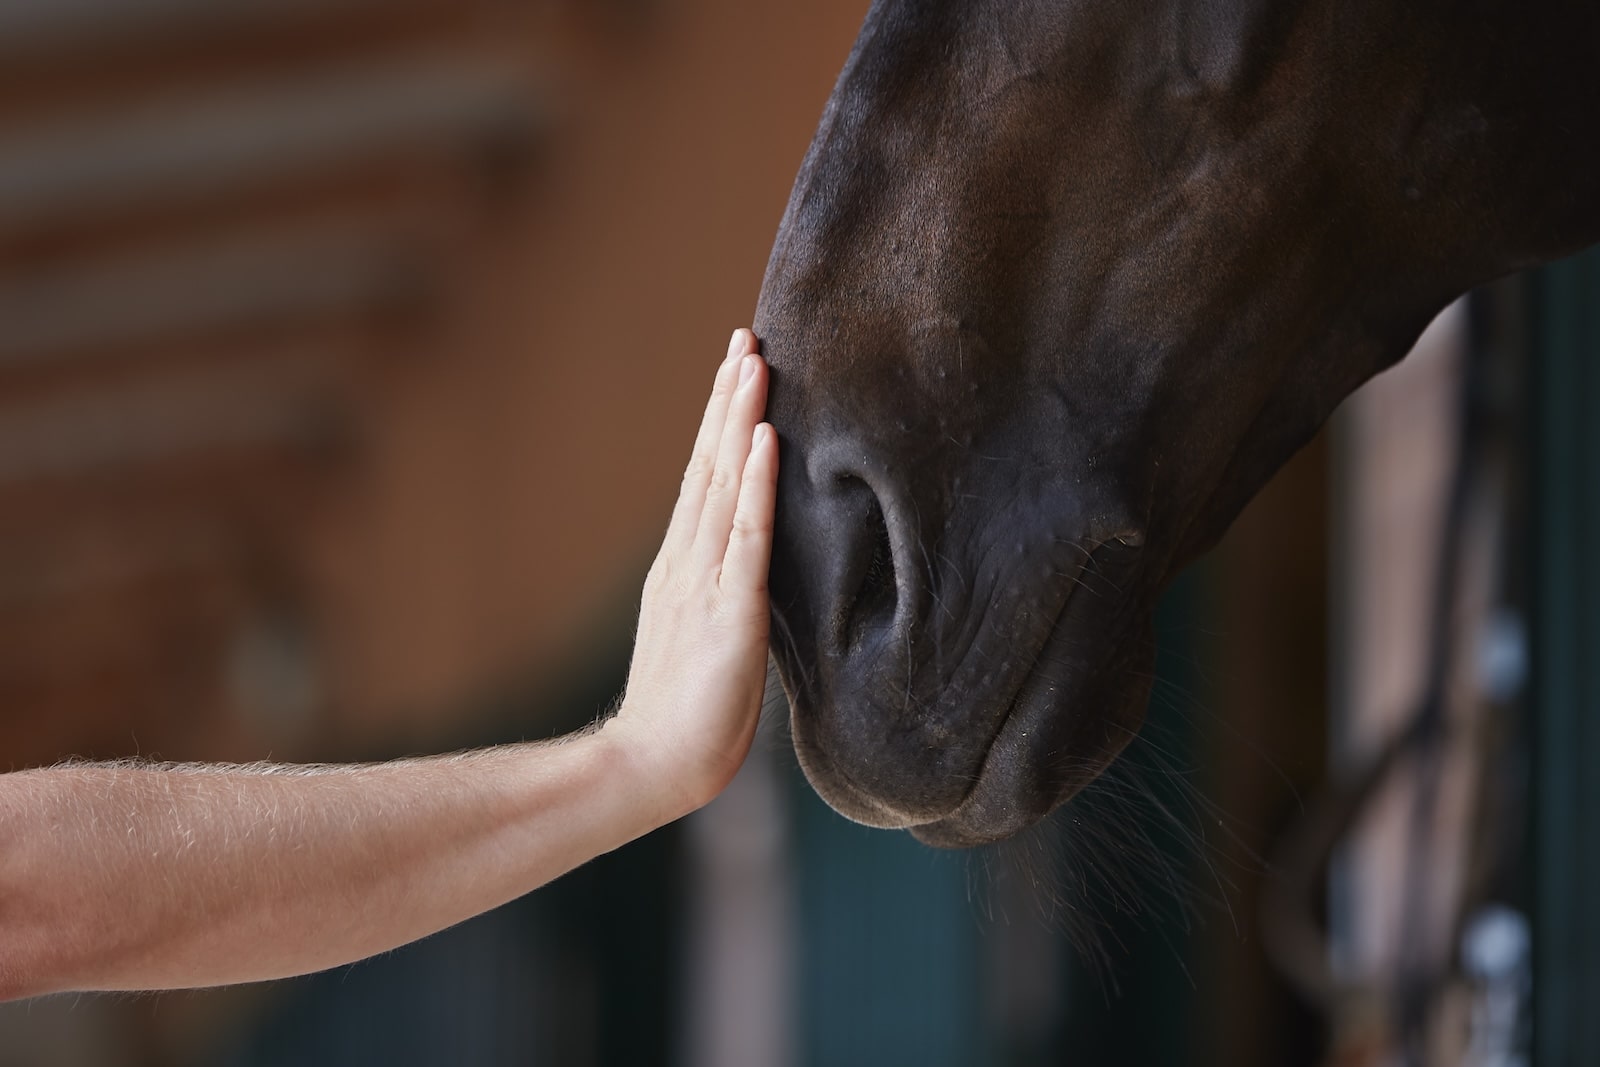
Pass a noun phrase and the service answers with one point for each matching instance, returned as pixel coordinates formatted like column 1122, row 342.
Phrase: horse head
column 1059, row 286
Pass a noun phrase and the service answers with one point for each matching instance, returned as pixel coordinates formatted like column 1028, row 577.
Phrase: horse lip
column 954, row 815
column 865, row 808
column 1029, row 702
column 952, row 830
column 870, row 811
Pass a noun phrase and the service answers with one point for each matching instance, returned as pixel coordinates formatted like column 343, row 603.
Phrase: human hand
column 700, row 660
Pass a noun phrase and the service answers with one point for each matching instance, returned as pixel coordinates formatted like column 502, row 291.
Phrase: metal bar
column 1566, row 344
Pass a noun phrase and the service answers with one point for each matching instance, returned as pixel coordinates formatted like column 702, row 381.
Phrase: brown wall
column 358, row 432
column 522, row 482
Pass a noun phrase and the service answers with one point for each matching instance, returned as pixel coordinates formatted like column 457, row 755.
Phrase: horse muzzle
column 958, row 670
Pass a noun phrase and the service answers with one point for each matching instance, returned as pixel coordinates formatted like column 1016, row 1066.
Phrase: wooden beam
column 260, row 281
column 174, row 151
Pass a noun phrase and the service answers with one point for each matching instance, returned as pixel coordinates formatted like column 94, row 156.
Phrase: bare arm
column 130, row 877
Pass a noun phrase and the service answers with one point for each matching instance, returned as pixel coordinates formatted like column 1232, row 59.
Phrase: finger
column 741, row 342
column 744, row 569
column 702, row 460
column 722, row 494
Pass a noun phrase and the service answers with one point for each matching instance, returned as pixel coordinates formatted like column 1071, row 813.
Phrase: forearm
column 126, row 877
column 118, row 877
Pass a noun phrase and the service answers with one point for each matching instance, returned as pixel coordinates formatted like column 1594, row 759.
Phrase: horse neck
column 1491, row 103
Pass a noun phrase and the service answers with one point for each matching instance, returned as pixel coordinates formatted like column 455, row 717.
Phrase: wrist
column 664, row 785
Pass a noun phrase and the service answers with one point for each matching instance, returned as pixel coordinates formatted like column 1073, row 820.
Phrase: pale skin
column 147, row 877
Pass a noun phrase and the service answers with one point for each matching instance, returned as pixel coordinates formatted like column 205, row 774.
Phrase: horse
column 1060, row 284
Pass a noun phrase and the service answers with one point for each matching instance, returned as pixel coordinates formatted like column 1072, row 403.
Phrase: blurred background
column 349, row 354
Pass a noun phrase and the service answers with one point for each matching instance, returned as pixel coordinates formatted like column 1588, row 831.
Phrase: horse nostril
column 877, row 594
column 872, row 607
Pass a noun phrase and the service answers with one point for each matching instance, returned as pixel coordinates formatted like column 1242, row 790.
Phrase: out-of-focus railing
column 215, row 221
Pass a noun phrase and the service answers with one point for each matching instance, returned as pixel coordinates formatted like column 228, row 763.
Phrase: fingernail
column 734, row 342
column 747, row 368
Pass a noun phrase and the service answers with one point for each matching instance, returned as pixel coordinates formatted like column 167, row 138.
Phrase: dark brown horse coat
column 1060, row 285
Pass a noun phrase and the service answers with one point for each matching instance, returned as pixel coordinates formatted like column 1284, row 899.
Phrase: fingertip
column 741, row 343
column 751, row 381
column 762, row 439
